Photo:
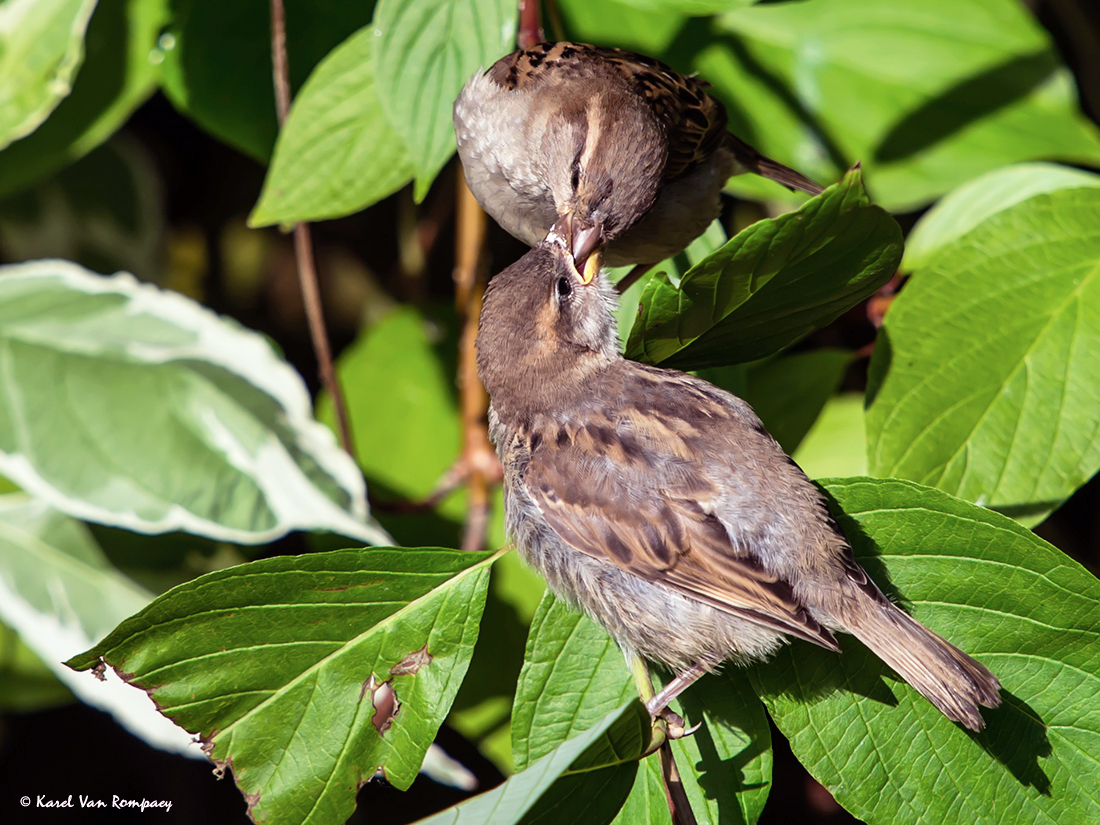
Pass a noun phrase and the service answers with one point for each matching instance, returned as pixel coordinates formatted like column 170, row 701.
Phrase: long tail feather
column 751, row 160
column 948, row 678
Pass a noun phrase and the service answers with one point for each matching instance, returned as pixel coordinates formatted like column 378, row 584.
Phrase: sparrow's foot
column 675, row 725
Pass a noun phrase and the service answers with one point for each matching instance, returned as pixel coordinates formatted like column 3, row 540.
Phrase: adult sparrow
column 659, row 505
column 629, row 152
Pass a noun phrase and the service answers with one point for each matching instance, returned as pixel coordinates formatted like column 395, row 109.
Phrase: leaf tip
column 259, row 216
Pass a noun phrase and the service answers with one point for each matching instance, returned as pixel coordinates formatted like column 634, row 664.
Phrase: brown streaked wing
column 544, row 64
column 658, row 537
column 696, row 121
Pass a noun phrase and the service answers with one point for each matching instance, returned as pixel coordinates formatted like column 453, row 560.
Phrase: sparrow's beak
column 586, row 243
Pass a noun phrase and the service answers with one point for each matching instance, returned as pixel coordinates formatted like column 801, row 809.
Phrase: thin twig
column 678, row 803
column 278, row 61
column 471, row 275
column 303, row 241
column 530, row 24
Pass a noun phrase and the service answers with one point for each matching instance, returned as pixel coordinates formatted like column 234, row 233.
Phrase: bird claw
column 675, row 725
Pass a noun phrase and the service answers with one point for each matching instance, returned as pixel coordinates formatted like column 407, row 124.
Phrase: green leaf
column 337, row 153
column 61, row 595
column 41, row 48
column 789, row 392
column 218, row 72
column 123, row 53
column 647, row 801
column 55, row 566
column 1000, row 593
column 400, row 396
column 928, row 95
column 612, row 746
column 482, row 711
column 974, row 201
column 627, row 310
column 773, row 283
column 128, row 405
column 726, row 766
column 986, row 377
column 426, row 51
column 573, row 675
column 293, row 656
column 675, row 267
column 836, row 444
column 573, row 672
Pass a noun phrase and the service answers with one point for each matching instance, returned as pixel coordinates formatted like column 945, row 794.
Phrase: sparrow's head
column 606, row 156
column 544, row 326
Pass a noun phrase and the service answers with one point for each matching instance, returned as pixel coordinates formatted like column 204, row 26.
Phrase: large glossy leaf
column 307, row 674
column 41, row 48
column 337, row 153
column 128, row 405
column 836, row 444
column 219, row 70
column 992, row 587
column 726, row 766
column 647, row 801
column 61, row 595
column 426, row 51
column 927, row 95
column 628, row 310
column 573, row 672
column 986, row 377
column 123, row 53
column 614, row 743
column 773, row 283
column 966, row 207
column 573, row 675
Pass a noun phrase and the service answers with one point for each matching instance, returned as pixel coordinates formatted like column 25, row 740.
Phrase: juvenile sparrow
column 629, row 152
column 659, row 505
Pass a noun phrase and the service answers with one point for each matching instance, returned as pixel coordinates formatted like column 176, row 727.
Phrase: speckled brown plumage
column 699, row 119
column 659, row 504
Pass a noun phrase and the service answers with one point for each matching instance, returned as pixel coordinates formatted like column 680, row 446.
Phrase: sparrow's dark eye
column 564, row 287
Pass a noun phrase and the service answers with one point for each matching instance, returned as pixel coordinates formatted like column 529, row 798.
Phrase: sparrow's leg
column 678, row 804
column 658, row 705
